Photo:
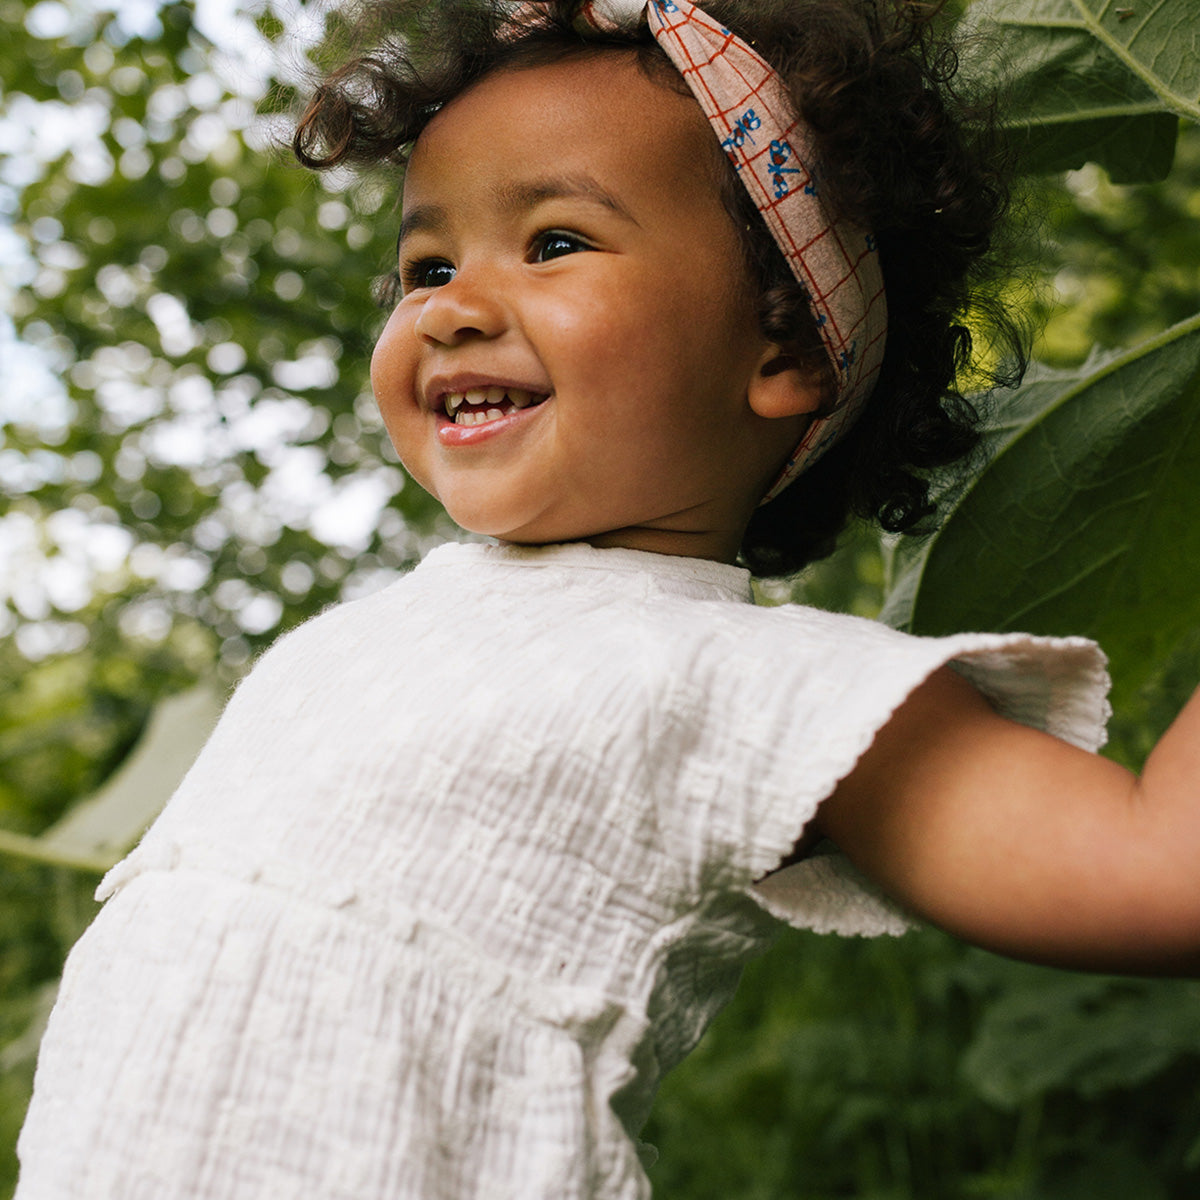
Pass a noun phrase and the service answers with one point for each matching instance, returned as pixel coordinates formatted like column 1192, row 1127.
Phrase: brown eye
column 557, row 244
column 428, row 273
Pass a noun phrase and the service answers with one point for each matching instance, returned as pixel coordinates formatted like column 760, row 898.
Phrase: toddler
column 469, row 864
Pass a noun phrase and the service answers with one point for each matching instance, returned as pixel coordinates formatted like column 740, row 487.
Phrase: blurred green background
column 191, row 463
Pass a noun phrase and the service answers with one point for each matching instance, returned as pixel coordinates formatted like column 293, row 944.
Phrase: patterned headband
column 836, row 262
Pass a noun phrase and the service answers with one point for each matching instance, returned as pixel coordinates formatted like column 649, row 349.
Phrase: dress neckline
column 668, row 572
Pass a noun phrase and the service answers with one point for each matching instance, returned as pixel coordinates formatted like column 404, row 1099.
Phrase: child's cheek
column 389, row 349
column 393, row 382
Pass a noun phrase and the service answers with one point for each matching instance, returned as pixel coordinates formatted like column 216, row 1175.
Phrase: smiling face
column 574, row 294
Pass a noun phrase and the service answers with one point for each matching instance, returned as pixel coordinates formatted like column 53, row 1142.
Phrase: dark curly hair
column 901, row 148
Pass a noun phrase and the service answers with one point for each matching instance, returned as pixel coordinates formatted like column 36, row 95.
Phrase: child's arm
column 1023, row 844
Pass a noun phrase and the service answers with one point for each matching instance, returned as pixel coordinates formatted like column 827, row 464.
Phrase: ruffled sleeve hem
column 1058, row 685
column 826, row 894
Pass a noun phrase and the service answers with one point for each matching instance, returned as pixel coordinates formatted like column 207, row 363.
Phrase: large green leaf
column 1068, row 97
column 1059, row 1031
column 1159, row 40
column 1084, row 521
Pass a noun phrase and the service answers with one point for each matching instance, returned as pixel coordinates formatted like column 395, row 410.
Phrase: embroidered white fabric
column 465, row 867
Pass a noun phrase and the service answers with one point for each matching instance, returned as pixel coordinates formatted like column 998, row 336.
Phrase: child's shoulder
column 828, row 669
column 341, row 630
column 797, row 632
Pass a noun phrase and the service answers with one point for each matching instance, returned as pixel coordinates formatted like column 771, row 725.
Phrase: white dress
column 465, row 867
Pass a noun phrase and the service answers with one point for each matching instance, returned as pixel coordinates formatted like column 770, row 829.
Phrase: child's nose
column 466, row 307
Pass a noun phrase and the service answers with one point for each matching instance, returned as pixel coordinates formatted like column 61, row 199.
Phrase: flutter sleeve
column 796, row 701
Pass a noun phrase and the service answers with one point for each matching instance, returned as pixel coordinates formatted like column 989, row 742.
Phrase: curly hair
column 903, row 150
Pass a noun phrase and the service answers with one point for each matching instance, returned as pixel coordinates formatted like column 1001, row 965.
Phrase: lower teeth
column 465, row 416
column 477, row 418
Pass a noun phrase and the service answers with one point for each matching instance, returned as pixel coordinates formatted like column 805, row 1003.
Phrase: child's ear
column 786, row 386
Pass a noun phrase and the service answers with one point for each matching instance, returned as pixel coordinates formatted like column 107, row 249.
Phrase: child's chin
column 493, row 525
column 523, row 519
column 533, row 534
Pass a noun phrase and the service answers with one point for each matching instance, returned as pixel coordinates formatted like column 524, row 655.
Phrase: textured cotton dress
column 465, row 867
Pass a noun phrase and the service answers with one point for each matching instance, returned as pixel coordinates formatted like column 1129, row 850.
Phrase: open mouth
column 477, row 406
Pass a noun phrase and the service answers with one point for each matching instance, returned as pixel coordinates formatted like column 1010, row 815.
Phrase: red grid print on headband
column 837, row 263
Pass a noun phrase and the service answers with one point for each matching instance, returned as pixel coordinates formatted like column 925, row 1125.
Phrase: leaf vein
column 1178, row 103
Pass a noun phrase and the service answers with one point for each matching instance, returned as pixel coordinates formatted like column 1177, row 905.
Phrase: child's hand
column 1023, row 844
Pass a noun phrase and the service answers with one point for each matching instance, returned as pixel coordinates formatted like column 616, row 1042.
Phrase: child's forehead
column 604, row 102
column 599, row 119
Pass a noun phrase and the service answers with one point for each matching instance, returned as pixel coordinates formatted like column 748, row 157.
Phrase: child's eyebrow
column 528, row 195
column 423, row 218
column 520, row 197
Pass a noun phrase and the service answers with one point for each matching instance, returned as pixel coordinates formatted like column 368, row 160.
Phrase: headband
column 835, row 262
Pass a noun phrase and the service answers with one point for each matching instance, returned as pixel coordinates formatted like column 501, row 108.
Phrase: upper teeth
column 490, row 396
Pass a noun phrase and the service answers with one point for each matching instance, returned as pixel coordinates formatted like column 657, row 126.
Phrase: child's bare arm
column 1021, row 843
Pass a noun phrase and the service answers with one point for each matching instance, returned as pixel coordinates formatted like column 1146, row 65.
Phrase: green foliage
column 206, row 306
column 1050, row 1030
column 1123, row 259
column 1069, row 99
column 1157, row 43
column 1080, row 523
column 97, row 832
column 919, row 1070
